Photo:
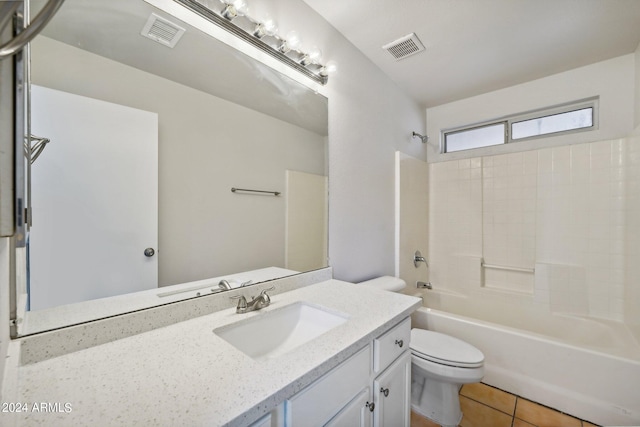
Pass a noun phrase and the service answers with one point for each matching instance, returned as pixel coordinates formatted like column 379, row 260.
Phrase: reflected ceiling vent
column 404, row 46
column 162, row 30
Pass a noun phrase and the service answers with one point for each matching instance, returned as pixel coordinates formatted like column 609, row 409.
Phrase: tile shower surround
column 570, row 212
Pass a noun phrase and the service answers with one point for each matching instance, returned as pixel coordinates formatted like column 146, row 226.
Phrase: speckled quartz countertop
column 184, row 374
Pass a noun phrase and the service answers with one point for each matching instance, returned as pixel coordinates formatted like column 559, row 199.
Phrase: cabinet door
column 323, row 399
column 391, row 394
column 356, row 413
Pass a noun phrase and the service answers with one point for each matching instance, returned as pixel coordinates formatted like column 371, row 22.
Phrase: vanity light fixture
column 235, row 17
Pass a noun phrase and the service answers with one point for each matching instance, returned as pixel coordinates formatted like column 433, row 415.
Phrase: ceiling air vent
column 404, row 46
column 162, row 30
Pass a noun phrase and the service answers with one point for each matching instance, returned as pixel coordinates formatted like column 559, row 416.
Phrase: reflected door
column 306, row 221
column 94, row 198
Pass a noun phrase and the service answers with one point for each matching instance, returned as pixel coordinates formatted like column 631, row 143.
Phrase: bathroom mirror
column 132, row 201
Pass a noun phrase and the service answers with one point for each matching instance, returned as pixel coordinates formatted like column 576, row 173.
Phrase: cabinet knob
column 384, row 391
column 371, row 406
column 149, row 252
column 400, row 343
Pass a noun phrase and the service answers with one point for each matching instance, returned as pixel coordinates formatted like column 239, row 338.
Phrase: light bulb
column 270, row 27
column 330, row 68
column 241, row 7
column 293, row 40
column 314, row 55
column 265, row 27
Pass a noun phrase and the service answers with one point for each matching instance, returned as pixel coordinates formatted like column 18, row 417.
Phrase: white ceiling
column 477, row 46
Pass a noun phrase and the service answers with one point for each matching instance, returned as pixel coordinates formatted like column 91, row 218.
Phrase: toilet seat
column 444, row 349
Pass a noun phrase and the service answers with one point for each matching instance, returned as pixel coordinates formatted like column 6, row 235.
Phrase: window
column 554, row 123
column 574, row 117
column 481, row 136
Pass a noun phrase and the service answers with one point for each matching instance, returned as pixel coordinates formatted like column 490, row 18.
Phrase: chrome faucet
column 225, row 285
column 261, row 301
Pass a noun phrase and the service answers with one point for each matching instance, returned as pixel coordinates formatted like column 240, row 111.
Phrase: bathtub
column 581, row 366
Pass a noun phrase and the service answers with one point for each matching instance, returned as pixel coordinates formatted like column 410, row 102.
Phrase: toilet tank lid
column 388, row 283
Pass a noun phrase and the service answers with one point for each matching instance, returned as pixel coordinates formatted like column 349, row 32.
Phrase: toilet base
column 417, row 411
column 434, row 399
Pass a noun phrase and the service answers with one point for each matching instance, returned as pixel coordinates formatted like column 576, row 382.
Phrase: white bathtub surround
column 632, row 235
column 568, row 206
column 193, row 376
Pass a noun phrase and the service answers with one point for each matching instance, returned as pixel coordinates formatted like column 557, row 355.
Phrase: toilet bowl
column 440, row 365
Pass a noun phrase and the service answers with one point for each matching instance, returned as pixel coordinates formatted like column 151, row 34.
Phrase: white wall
column 611, row 80
column 412, row 213
column 369, row 119
column 637, row 86
column 204, row 150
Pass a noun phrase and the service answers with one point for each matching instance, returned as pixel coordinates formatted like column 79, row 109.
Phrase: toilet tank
column 387, row 283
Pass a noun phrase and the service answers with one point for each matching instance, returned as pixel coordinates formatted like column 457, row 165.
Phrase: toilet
column 440, row 365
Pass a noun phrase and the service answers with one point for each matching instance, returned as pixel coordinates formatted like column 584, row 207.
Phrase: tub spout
column 424, row 285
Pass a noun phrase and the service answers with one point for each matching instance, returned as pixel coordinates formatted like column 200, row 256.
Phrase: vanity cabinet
column 356, row 413
column 370, row 389
column 392, row 394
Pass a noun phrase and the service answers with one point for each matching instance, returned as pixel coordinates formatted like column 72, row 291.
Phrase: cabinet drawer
column 318, row 403
column 387, row 347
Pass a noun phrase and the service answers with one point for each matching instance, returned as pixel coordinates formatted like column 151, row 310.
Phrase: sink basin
column 276, row 332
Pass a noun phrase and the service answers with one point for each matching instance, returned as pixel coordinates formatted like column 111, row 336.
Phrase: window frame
column 509, row 120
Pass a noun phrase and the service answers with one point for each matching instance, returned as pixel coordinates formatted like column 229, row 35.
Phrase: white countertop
column 184, row 374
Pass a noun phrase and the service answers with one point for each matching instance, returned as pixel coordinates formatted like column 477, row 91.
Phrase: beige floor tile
column 542, row 416
column 497, row 399
column 479, row 415
column 517, row 422
column 420, row 421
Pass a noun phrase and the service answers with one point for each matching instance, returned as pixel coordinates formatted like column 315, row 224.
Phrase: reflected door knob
column 149, row 252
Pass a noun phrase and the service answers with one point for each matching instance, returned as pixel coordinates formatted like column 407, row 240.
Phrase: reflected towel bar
column 504, row 267
column 275, row 193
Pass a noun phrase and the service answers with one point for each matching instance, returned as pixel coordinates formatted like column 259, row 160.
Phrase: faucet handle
column 264, row 291
column 242, row 301
column 224, row 285
column 264, row 294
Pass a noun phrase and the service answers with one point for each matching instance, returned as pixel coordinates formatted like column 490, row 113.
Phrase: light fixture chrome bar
column 214, row 18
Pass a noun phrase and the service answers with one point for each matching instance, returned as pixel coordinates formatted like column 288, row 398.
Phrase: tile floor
column 486, row 406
